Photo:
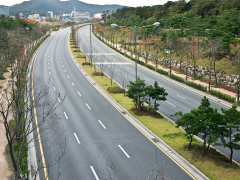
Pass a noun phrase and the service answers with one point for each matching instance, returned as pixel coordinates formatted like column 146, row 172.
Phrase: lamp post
column 135, row 39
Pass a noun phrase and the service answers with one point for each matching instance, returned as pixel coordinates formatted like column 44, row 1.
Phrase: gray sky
column 133, row 3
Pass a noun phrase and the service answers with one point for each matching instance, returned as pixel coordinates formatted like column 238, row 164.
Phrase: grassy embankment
column 213, row 164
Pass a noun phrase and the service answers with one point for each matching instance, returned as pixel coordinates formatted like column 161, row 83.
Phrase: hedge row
column 222, row 95
column 161, row 71
column 177, row 78
column 150, row 67
column 197, row 86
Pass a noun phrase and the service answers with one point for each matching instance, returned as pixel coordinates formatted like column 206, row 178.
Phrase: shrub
column 86, row 63
column 115, row 90
column 97, row 74
column 197, row 86
column 150, row 67
column 177, row 78
column 161, row 71
column 141, row 62
column 222, row 95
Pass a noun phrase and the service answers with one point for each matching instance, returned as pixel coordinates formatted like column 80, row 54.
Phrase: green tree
column 136, row 90
column 186, row 121
column 231, row 135
column 158, row 94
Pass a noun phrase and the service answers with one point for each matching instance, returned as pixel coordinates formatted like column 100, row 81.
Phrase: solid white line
column 59, row 100
column 49, row 73
column 94, row 173
column 65, row 115
column 51, row 80
column 68, row 76
column 170, row 104
column 72, row 84
column 123, row 151
column 88, row 106
column 54, row 88
column 102, row 124
column 79, row 94
column 180, row 96
column 76, row 138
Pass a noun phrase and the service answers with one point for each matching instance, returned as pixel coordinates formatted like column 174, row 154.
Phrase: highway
column 97, row 140
column 180, row 97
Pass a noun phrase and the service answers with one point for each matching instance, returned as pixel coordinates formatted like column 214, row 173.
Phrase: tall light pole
column 135, row 38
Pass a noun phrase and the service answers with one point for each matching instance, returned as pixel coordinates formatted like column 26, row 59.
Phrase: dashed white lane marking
column 125, row 76
column 72, row 84
column 180, row 96
column 68, row 76
column 102, row 124
column 170, row 104
column 54, row 89
column 116, row 70
column 51, row 79
column 76, row 138
column 48, row 63
column 88, row 106
column 94, row 173
column 62, row 65
column 48, row 67
column 123, row 151
column 50, row 73
column 61, row 61
column 65, row 115
column 59, row 100
column 146, row 79
column 65, row 70
column 79, row 94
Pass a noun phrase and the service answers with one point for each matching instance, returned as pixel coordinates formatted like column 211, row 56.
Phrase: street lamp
column 135, row 34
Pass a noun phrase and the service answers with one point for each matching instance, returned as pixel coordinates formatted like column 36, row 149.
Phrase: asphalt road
column 95, row 139
column 180, row 97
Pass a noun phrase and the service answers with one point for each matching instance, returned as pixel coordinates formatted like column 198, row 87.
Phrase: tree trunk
column 204, row 142
column 231, row 156
column 189, row 145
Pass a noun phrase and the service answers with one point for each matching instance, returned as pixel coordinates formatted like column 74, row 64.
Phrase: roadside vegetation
column 18, row 42
column 197, row 38
column 213, row 164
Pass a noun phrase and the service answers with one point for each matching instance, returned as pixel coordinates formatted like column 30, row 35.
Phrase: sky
column 133, row 3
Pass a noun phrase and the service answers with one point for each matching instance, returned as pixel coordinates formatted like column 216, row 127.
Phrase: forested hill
column 59, row 7
column 198, row 7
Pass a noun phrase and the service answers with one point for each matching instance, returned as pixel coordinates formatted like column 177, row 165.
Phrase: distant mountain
column 59, row 7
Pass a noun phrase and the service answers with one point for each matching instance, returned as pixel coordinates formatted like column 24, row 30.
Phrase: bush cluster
column 97, row 74
column 150, row 67
column 161, row 71
column 222, row 95
column 177, row 78
column 86, row 63
column 197, row 86
column 115, row 90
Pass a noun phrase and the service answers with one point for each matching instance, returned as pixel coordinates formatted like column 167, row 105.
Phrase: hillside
column 59, row 7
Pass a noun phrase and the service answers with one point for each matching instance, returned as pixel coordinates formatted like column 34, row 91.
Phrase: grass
column 213, row 164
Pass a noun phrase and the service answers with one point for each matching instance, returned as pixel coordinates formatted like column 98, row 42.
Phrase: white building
column 50, row 14
column 97, row 16
column 81, row 15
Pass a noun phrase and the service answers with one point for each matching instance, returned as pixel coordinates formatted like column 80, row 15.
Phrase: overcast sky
column 133, row 3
